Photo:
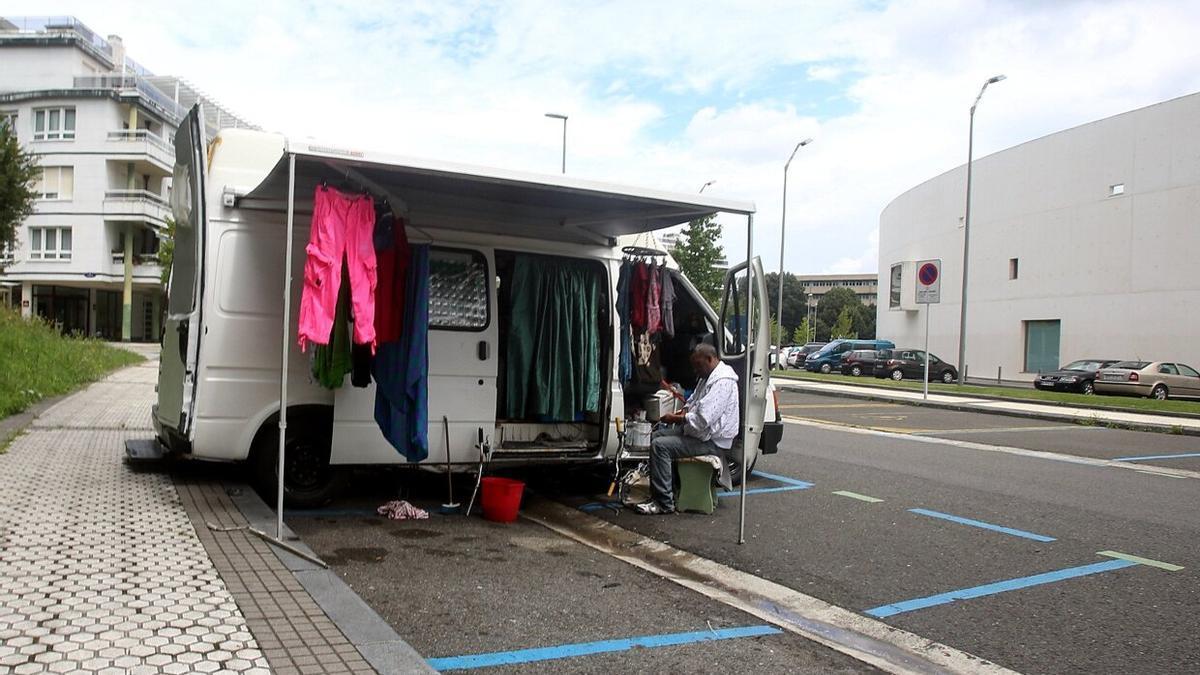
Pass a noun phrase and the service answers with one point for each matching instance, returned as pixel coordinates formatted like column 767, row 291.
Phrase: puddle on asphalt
column 415, row 533
column 367, row 554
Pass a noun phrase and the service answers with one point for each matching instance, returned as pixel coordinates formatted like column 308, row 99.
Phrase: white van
column 219, row 379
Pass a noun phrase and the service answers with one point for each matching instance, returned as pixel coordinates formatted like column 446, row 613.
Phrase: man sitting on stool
column 707, row 426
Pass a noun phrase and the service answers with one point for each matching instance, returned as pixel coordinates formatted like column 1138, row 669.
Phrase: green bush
column 37, row 362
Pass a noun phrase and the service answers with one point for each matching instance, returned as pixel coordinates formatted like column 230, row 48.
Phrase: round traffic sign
column 927, row 274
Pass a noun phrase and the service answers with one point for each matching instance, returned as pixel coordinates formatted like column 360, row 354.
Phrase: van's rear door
column 182, row 330
column 747, row 359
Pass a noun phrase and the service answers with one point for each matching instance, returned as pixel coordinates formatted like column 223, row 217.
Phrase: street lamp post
column 564, row 143
column 706, row 185
column 962, row 312
column 782, row 235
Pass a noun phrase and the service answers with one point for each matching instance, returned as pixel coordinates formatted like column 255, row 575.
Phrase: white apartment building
column 865, row 286
column 103, row 129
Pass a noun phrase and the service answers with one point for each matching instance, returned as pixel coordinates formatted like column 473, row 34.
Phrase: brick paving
column 105, row 568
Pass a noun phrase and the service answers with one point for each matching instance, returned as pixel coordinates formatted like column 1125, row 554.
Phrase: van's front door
column 182, row 329
column 746, row 346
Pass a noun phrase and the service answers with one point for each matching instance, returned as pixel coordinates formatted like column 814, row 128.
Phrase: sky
column 673, row 94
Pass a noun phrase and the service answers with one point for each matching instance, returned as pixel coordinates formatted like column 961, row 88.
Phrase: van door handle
column 483, row 350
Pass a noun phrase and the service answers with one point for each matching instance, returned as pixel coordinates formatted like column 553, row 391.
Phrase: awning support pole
column 287, row 334
column 749, row 375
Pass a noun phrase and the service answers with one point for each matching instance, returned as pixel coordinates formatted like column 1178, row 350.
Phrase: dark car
column 859, row 361
column 901, row 363
column 1078, row 376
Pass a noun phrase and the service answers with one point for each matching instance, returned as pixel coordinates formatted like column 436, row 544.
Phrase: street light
column 962, row 312
column 706, row 185
column 782, row 233
column 564, row 145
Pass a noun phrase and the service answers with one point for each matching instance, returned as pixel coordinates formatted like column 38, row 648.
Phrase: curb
column 1005, row 399
column 373, row 637
column 876, row 395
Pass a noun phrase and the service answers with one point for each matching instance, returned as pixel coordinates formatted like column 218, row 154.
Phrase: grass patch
column 1120, row 403
column 37, row 362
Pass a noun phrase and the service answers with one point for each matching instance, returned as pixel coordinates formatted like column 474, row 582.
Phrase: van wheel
column 309, row 481
column 1159, row 393
column 826, row 369
column 897, row 375
column 735, row 471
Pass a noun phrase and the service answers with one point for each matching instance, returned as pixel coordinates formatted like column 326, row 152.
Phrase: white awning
column 488, row 200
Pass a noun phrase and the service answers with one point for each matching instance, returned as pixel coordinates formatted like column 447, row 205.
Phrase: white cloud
column 673, row 94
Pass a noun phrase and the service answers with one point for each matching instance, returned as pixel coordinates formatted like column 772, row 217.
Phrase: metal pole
column 926, row 396
column 962, row 312
column 782, row 235
column 564, row 154
column 287, row 333
column 749, row 367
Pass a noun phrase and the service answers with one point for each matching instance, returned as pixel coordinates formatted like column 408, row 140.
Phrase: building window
column 1041, row 346
column 56, row 182
column 49, row 243
column 53, row 124
column 1013, row 268
column 1116, row 189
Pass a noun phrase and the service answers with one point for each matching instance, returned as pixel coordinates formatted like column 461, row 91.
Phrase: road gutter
column 870, row 641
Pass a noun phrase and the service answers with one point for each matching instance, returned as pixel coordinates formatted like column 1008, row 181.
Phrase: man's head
column 704, row 359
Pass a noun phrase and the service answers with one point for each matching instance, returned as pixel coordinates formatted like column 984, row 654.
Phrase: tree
column 699, row 254
column 166, row 251
column 864, row 321
column 794, row 300
column 843, row 327
column 18, row 171
column 830, row 308
column 802, row 333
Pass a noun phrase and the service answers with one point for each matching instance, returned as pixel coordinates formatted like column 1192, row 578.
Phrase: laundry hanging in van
column 625, row 359
column 552, row 367
column 332, row 360
column 401, row 368
column 392, row 256
column 342, row 228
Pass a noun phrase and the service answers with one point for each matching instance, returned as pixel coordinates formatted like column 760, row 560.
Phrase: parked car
column 1156, row 379
column 859, row 361
column 1078, row 376
column 800, row 354
column 829, row 358
column 901, row 363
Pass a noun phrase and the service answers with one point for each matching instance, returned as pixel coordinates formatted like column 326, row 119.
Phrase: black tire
column 1087, row 388
column 309, row 480
column 896, row 375
column 856, row 371
column 826, row 368
column 1159, row 392
column 735, row 471
column 947, row 377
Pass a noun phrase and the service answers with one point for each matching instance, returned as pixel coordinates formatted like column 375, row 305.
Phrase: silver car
column 1156, row 379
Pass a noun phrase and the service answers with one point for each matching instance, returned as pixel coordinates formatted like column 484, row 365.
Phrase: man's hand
column 673, row 418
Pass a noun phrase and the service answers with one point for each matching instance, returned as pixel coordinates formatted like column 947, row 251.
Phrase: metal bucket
column 638, row 435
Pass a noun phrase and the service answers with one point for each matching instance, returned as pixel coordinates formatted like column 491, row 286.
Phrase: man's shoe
column 652, row 508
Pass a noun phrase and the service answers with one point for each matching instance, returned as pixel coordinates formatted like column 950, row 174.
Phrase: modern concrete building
column 103, row 129
column 1084, row 244
column 866, row 286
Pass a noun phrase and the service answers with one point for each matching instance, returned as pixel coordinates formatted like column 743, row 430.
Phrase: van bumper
column 768, row 441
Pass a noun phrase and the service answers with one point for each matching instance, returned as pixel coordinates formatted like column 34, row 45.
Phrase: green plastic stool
column 697, row 486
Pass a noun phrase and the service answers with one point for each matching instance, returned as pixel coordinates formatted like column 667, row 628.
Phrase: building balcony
column 136, row 205
column 156, row 150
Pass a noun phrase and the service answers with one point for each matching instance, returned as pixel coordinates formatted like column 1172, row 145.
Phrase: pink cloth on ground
column 342, row 228
column 398, row 509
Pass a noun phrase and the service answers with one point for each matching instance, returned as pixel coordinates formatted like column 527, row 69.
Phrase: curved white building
column 1084, row 243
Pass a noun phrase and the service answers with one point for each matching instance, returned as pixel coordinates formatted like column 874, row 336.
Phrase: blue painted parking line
column 1143, row 458
column 983, row 525
column 782, row 479
column 884, row 611
column 487, row 660
column 790, row 484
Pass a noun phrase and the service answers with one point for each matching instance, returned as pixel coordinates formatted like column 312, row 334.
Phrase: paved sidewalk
column 108, row 568
column 1047, row 411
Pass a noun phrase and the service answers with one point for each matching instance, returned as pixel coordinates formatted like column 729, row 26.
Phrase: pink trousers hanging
column 342, row 225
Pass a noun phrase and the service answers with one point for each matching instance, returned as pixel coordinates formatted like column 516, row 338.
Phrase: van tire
column 310, row 481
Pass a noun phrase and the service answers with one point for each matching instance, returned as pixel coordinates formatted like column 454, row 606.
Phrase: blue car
column 829, row 358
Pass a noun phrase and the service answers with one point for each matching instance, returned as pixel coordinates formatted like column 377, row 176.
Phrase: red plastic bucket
column 501, row 498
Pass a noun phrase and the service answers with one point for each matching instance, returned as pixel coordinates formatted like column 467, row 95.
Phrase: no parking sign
column 929, row 282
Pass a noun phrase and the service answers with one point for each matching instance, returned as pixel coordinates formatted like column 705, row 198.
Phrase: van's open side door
column 747, row 348
column 182, row 329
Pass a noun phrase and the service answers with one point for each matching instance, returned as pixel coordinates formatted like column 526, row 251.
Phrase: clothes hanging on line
column 653, row 297
column 667, row 300
column 342, row 229
column 625, row 337
column 392, row 255
column 639, row 289
column 332, row 360
column 401, row 368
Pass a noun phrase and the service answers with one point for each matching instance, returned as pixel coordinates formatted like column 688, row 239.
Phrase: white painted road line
column 970, row 445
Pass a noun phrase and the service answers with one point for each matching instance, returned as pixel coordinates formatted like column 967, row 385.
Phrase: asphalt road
column 868, row 551
column 454, row 586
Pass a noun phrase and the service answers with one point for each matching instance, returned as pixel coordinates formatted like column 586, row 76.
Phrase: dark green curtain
column 553, row 361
